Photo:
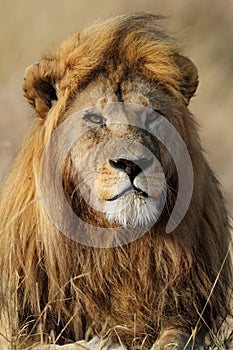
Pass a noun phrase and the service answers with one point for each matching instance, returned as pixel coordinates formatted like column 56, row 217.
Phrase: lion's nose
column 131, row 168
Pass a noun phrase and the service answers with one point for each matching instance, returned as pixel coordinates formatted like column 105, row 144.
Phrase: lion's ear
column 189, row 73
column 40, row 92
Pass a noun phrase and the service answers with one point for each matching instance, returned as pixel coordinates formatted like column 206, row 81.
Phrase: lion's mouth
column 131, row 188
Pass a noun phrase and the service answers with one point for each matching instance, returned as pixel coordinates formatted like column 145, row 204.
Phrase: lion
column 94, row 256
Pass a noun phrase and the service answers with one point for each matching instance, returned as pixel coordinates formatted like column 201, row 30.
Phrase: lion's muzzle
column 132, row 169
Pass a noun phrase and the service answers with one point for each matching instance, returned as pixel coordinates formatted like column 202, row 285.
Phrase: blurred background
column 28, row 28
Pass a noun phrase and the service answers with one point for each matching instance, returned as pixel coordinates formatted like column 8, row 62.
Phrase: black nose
column 131, row 168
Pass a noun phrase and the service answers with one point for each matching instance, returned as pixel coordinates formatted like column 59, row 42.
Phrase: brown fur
column 155, row 283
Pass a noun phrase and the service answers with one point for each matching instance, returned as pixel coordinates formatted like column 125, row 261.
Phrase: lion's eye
column 95, row 119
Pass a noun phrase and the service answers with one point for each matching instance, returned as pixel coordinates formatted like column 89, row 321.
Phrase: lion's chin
column 133, row 210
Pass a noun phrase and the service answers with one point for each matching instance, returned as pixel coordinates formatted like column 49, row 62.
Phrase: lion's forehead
column 104, row 91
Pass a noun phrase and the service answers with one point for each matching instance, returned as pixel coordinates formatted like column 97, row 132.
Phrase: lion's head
column 103, row 99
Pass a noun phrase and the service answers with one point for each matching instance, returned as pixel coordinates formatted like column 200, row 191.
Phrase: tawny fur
column 159, row 281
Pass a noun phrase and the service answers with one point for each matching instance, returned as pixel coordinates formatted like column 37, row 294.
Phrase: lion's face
column 117, row 162
column 116, row 166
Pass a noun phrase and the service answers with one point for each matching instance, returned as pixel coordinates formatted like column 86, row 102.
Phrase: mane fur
column 155, row 282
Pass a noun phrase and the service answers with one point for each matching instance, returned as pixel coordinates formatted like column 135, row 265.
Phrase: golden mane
column 157, row 282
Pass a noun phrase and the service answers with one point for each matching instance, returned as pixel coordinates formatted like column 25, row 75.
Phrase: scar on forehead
column 144, row 100
column 102, row 102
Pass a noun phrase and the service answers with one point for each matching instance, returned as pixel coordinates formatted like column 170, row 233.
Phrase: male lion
column 93, row 256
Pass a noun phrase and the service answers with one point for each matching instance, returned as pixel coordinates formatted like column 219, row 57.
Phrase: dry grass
column 222, row 340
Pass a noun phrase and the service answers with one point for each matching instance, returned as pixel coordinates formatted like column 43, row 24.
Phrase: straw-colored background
column 29, row 28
